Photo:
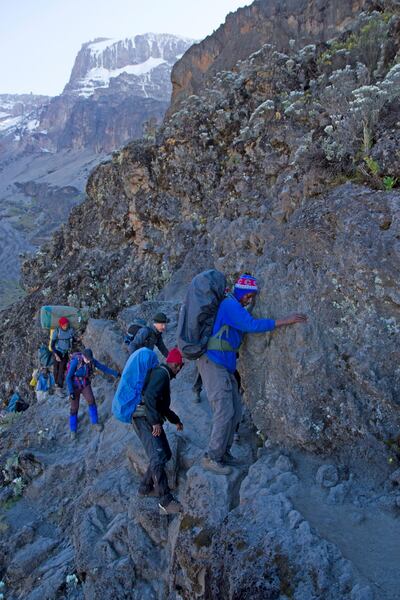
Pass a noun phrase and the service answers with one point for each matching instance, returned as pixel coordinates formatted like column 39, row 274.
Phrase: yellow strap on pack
column 51, row 335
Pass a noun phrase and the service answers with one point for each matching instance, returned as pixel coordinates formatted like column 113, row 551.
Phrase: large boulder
column 330, row 382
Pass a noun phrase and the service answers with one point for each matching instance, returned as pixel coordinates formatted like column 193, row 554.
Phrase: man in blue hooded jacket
column 218, row 365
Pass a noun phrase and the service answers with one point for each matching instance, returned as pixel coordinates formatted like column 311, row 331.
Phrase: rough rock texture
column 73, row 527
column 287, row 23
column 242, row 182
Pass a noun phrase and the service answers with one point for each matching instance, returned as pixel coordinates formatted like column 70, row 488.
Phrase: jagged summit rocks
column 142, row 62
column 115, row 86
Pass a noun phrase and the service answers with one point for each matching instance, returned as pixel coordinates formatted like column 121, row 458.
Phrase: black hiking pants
column 158, row 453
column 59, row 369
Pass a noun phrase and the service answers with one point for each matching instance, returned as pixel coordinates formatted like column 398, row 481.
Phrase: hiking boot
column 98, row 426
column 148, row 493
column 229, row 459
column 215, row 466
column 73, row 436
column 172, row 508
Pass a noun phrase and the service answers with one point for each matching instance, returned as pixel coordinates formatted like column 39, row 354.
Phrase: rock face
column 248, row 183
column 19, row 116
column 289, row 23
column 73, row 526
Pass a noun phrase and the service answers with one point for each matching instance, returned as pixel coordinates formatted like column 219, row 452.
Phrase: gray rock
column 30, row 557
column 283, row 463
column 337, row 494
column 295, row 519
column 395, row 477
column 361, row 592
column 327, row 476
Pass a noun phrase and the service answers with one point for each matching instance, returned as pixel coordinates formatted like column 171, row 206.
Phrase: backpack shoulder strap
column 216, row 341
column 165, row 369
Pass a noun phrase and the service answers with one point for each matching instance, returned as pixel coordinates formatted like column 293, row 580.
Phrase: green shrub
column 372, row 165
column 389, row 182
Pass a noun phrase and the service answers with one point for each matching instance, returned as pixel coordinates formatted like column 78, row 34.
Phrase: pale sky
column 39, row 39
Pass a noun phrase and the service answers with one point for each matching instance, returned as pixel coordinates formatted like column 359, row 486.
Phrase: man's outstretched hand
column 291, row 320
column 156, row 430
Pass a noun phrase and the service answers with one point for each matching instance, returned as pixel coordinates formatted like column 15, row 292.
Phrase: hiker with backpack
column 61, row 345
column 148, row 420
column 129, row 391
column 79, row 373
column 132, row 330
column 211, row 329
column 44, row 385
column 150, row 336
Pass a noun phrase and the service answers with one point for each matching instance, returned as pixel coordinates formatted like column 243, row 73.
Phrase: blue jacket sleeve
column 98, row 365
column 238, row 317
column 70, row 374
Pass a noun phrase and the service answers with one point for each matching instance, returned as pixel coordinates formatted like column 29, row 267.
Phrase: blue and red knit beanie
column 246, row 284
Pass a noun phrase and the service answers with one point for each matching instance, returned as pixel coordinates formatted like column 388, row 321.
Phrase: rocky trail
column 78, row 530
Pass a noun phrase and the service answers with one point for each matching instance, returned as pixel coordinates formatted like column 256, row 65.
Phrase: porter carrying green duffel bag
column 49, row 316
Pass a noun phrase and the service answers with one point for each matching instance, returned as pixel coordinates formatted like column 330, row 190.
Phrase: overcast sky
column 39, row 39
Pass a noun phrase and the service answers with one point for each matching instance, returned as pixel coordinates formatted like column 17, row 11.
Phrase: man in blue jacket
column 218, row 365
column 80, row 371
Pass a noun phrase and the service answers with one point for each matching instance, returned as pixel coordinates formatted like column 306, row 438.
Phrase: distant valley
column 119, row 90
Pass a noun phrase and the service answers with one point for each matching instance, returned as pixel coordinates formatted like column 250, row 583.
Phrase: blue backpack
column 129, row 391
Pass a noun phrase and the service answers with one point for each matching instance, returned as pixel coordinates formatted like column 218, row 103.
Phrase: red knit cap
column 175, row 356
column 63, row 321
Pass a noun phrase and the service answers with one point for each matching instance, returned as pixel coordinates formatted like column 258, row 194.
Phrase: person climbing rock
column 148, row 422
column 132, row 330
column 80, row 371
column 45, row 384
column 151, row 336
column 218, row 365
column 61, row 346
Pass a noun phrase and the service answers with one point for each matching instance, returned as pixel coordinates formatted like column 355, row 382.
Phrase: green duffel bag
column 49, row 316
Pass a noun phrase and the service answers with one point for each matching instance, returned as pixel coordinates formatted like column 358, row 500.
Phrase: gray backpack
column 198, row 312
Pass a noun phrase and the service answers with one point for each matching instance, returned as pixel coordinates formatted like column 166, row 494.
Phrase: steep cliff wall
column 288, row 23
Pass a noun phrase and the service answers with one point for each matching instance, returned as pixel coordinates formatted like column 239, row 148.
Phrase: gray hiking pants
column 226, row 404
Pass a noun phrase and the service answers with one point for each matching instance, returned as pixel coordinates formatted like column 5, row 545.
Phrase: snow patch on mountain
column 139, row 58
column 100, row 77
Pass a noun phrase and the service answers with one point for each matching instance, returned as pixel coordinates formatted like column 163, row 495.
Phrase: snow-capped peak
column 140, row 59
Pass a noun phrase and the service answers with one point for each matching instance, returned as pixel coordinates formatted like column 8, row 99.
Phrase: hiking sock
column 73, row 422
column 94, row 418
